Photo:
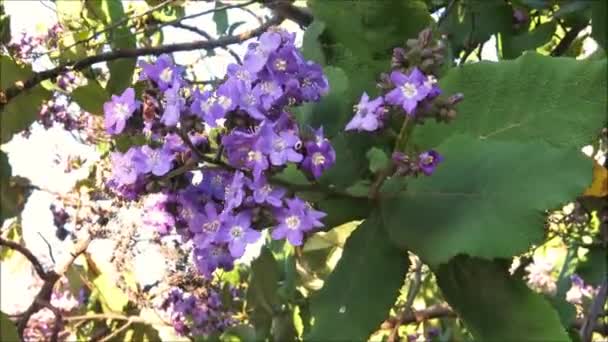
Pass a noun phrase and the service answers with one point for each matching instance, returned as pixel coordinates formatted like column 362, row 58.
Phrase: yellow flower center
column 409, row 90
column 292, row 222
column 318, row 159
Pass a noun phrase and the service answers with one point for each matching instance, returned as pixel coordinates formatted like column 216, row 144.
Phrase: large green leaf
column 8, row 330
column 91, row 97
column 496, row 306
column 472, row 22
column 220, row 18
column 121, row 70
column 262, row 297
column 486, row 199
column 559, row 100
column 514, row 45
column 599, row 11
column 19, row 113
column 358, row 295
column 371, row 29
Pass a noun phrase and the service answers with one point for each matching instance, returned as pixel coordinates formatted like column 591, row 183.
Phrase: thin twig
column 44, row 295
column 108, row 28
column 569, row 37
column 445, row 13
column 208, row 37
column 105, row 316
column 409, row 301
column 21, row 86
column 594, row 311
column 117, row 331
column 28, row 254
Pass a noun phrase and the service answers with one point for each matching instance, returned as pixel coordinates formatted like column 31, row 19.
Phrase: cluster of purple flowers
column 27, row 46
column 410, row 89
column 247, row 136
column 199, row 313
column 425, row 163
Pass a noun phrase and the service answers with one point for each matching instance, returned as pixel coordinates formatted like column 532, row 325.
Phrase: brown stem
column 21, row 86
column 44, row 295
column 28, row 254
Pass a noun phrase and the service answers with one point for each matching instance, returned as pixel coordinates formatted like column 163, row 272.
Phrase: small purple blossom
column 173, row 106
column 158, row 161
column 237, row 232
column 126, row 167
column 409, row 90
column 207, row 226
column 258, row 53
column 294, row 221
column 263, row 192
column 428, row 161
column 368, row 115
column 235, row 193
column 163, row 72
column 283, row 148
column 155, row 214
column 320, row 155
column 119, row 110
column 213, row 257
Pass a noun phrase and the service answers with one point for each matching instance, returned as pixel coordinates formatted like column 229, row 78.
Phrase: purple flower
column 294, row 221
column 207, row 226
column 313, row 83
column 158, row 161
column 320, row 155
column 126, row 167
column 409, row 90
column 427, row 161
column 263, row 192
column 283, row 64
column 248, row 100
column 213, row 257
column 258, row 53
column 173, row 106
column 214, row 183
column 234, row 194
column 268, row 92
column 119, row 110
column 239, row 73
column 283, row 148
column 431, row 84
column 155, row 213
column 163, row 72
column 368, row 115
column 237, row 232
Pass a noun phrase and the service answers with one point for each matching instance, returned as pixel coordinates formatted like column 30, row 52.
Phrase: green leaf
column 371, row 29
column 472, row 22
column 311, row 47
column 514, row 45
column 491, row 197
column 8, row 329
column 593, row 266
column 262, row 297
column 236, row 333
column 377, row 159
column 332, row 111
column 121, row 70
column 559, row 100
column 5, row 28
column 91, row 97
column 19, row 113
column 599, row 11
column 496, row 306
column 358, row 295
column 220, row 18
